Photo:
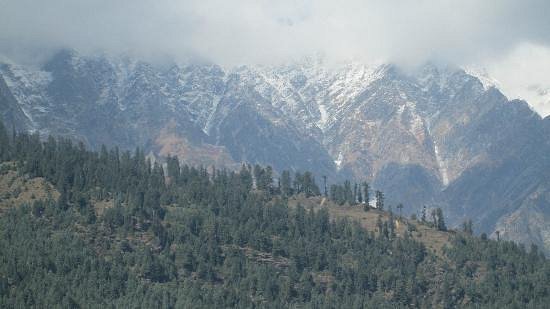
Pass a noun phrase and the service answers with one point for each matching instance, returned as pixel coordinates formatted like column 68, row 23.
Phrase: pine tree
column 348, row 192
column 400, row 208
column 5, row 145
column 246, row 177
column 379, row 200
column 439, row 220
column 467, row 227
column 423, row 215
column 173, row 169
column 325, row 185
column 434, row 218
column 297, row 183
column 286, row 186
column 366, row 195
column 307, row 185
column 391, row 223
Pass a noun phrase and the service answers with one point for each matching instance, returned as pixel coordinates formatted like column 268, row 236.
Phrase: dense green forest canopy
column 187, row 237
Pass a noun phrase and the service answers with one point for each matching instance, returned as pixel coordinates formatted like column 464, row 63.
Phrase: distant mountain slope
column 435, row 137
column 12, row 113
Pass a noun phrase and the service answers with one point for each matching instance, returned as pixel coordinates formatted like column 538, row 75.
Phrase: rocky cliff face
column 436, row 137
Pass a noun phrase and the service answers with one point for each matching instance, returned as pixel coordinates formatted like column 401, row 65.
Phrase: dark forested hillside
column 438, row 135
column 113, row 229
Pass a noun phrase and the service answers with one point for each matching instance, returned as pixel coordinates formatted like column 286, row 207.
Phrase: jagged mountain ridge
column 437, row 136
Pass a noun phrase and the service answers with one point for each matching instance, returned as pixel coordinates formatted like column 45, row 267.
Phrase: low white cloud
column 524, row 74
column 265, row 31
column 244, row 31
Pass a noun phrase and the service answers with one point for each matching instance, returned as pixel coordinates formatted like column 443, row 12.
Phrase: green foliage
column 183, row 237
column 342, row 194
column 379, row 200
column 507, row 275
column 468, row 227
column 438, row 219
column 264, row 178
column 305, row 183
column 285, row 184
column 5, row 150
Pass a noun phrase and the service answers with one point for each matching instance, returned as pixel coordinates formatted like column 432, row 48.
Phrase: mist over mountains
column 436, row 136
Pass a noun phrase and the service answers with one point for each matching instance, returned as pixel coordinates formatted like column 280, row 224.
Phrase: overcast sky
column 511, row 38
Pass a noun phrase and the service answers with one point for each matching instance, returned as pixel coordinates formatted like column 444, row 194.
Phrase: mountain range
column 437, row 136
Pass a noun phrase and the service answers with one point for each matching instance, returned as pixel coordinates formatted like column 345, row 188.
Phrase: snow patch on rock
column 486, row 80
column 339, row 160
